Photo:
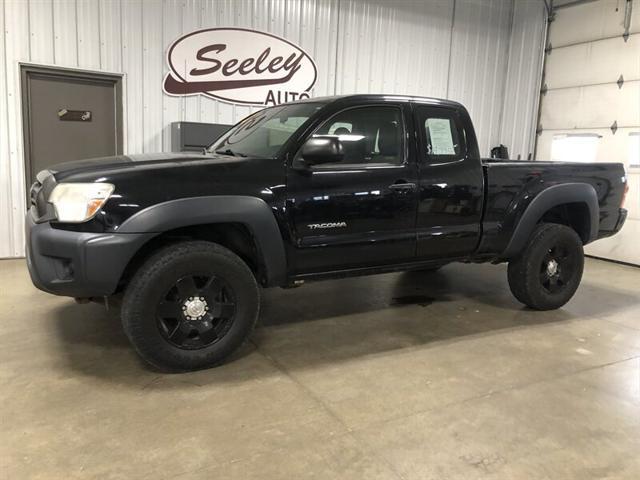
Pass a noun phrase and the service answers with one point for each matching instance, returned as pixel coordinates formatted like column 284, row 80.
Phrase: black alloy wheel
column 558, row 267
column 196, row 311
column 190, row 305
column 547, row 273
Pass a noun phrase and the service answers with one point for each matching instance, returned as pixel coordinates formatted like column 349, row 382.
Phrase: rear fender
column 547, row 199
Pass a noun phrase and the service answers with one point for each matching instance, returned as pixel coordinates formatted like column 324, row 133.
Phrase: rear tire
column 190, row 306
column 548, row 272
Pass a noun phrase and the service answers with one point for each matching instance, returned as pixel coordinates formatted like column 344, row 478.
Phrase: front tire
column 190, row 305
column 548, row 272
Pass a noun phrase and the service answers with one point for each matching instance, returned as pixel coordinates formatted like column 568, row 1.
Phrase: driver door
column 361, row 211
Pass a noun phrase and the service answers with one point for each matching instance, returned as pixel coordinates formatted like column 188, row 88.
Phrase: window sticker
column 441, row 138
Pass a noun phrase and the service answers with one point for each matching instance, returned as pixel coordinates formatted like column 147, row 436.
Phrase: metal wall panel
column 132, row 66
column 65, row 32
column 479, row 56
column 88, row 21
column 520, row 100
column 446, row 48
column 110, row 27
column 16, row 48
column 153, row 68
column 191, row 20
column 41, row 31
column 7, row 179
column 172, row 107
column 400, row 47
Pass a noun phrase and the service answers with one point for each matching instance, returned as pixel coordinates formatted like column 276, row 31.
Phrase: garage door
column 590, row 105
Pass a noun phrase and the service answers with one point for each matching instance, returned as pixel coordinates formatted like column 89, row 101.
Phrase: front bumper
column 78, row 264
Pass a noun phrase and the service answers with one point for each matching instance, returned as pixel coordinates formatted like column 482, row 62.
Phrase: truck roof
column 381, row 96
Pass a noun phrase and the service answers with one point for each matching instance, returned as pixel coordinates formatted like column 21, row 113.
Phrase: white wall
column 458, row 49
column 587, row 57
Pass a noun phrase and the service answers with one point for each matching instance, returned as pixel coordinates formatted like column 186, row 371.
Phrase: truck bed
column 512, row 184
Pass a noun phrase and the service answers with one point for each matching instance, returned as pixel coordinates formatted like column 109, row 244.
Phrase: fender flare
column 252, row 212
column 545, row 200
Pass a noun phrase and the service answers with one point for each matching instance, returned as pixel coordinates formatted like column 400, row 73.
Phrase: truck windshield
column 265, row 132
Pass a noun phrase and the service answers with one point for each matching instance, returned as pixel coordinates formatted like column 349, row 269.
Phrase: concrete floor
column 399, row 376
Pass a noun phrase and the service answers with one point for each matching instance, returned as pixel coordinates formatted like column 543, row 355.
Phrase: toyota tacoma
column 317, row 189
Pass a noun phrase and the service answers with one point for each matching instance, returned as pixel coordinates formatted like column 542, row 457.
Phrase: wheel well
column 234, row 236
column 574, row 215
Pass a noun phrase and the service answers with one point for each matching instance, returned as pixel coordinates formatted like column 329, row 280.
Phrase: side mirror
column 322, row 149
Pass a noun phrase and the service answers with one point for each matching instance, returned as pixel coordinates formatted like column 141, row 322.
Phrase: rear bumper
column 622, row 217
column 78, row 264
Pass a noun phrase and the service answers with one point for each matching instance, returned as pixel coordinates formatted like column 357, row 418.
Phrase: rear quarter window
column 441, row 134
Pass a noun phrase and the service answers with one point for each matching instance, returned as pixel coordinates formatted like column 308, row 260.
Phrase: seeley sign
column 239, row 66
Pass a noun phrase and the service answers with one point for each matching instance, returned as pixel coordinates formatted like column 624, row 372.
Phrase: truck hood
column 123, row 162
column 184, row 174
column 141, row 181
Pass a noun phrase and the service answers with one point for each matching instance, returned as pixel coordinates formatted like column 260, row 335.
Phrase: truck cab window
column 442, row 136
column 369, row 135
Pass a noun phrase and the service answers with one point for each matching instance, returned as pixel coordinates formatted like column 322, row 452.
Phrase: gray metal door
column 69, row 117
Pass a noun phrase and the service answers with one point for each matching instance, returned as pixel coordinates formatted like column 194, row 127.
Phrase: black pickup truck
column 321, row 188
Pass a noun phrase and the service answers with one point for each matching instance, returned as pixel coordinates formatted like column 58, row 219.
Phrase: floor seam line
column 284, row 370
column 494, row 392
column 349, row 431
column 618, row 324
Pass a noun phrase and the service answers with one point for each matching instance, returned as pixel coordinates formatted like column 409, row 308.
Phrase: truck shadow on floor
column 334, row 321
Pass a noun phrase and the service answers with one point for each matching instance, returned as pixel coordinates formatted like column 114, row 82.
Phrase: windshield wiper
column 230, row 152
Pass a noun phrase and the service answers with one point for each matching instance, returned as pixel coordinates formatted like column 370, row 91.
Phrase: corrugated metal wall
column 458, row 49
column 524, row 73
column 479, row 50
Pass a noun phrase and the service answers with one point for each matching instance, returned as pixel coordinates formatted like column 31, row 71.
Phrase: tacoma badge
column 316, row 226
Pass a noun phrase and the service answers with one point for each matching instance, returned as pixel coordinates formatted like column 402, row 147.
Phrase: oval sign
column 238, row 65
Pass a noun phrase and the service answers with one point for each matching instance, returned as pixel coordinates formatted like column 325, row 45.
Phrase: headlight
column 78, row 202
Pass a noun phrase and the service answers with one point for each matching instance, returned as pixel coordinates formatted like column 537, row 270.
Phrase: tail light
column 624, row 194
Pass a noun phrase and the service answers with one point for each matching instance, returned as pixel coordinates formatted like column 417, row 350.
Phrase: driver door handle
column 402, row 187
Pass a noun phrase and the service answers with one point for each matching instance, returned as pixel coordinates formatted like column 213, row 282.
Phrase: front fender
column 544, row 201
column 252, row 212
